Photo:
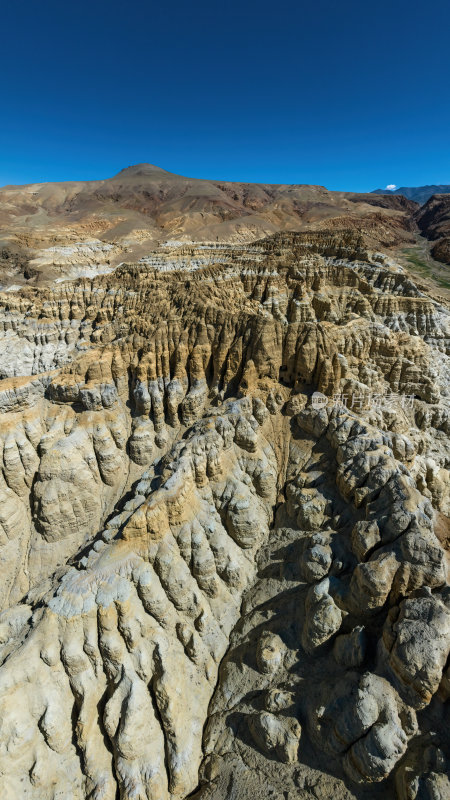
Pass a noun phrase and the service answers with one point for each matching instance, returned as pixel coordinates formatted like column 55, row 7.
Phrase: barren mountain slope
column 65, row 230
column 434, row 222
column 217, row 583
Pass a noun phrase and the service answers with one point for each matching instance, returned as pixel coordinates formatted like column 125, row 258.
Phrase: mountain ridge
column 420, row 194
column 135, row 211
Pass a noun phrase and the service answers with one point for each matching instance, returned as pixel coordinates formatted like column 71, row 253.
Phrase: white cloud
column 391, row 186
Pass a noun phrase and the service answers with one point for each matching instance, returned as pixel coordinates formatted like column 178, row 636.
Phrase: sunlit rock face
column 224, row 529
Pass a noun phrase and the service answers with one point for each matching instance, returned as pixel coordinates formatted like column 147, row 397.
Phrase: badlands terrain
column 66, row 230
column 225, row 493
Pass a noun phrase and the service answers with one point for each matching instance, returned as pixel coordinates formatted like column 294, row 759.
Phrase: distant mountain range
column 420, row 194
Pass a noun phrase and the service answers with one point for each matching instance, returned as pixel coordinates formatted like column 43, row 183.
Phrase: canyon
column 225, row 494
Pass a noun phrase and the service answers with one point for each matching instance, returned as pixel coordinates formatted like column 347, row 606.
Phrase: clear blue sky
column 351, row 95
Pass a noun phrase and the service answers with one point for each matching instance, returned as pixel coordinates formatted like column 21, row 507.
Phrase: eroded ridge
column 340, row 661
column 111, row 684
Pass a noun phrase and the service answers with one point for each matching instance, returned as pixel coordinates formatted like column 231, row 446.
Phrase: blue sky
column 350, row 95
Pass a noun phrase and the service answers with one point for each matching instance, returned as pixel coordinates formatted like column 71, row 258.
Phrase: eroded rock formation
column 217, row 580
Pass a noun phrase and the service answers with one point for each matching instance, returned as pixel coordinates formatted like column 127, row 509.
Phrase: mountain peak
column 141, row 170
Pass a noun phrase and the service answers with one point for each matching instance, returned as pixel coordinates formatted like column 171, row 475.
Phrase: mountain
column 419, row 194
column 50, row 231
column 433, row 220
